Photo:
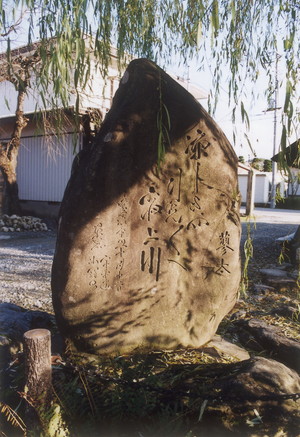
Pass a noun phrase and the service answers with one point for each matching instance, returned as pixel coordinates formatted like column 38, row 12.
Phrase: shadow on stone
column 148, row 253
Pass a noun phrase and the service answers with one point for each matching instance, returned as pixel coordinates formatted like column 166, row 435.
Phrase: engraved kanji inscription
column 224, row 239
column 150, row 203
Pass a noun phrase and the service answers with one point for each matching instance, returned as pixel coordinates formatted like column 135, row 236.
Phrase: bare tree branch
column 14, row 27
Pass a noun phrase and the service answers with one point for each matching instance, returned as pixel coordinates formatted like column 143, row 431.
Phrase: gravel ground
column 25, row 269
column 26, row 259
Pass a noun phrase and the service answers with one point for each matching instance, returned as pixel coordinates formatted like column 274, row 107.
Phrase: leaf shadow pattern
column 124, row 150
column 115, row 321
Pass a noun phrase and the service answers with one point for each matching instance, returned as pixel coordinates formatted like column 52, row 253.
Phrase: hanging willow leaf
column 288, row 93
column 244, row 34
column 199, row 33
column 245, row 117
column 166, row 112
column 283, row 139
column 233, row 10
column 7, row 103
column 215, row 16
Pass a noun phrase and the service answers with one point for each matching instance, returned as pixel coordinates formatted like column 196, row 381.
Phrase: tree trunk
column 9, row 154
column 8, row 166
column 11, row 203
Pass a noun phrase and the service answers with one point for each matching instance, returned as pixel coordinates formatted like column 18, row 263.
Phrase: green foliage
column 156, row 394
column 257, row 163
column 261, row 164
column 248, row 252
column 267, row 165
column 163, row 126
column 289, row 203
column 149, row 394
column 284, row 254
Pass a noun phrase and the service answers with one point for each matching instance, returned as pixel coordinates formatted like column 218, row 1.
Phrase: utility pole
column 274, row 164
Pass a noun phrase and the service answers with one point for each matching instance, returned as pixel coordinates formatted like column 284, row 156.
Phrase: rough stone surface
column 292, row 246
column 274, row 273
column 268, row 338
column 261, row 288
column 261, row 377
column 226, row 347
column 15, row 321
column 148, row 257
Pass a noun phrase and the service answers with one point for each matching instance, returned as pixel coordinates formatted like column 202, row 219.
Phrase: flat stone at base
column 269, row 338
column 228, row 348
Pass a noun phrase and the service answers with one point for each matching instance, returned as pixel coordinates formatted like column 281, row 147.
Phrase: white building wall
column 294, row 187
column 33, row 101
column 98, row 93
column 44, row 169
column 243, row 179
column 262, row 184
column 261, row 194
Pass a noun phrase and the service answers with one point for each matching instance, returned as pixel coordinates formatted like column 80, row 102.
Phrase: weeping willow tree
column 242, row 38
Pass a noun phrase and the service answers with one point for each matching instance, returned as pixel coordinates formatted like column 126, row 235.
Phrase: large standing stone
column 148, row 257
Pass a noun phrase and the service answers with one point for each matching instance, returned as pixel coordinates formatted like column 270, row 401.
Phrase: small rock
column 286, row 311
column 297, row 255
column 260, row 377
column 262, row 289
column 259, row 297
column 269, row 338
column 238, row 315
column 228, row 348
column 294, row 274
column 280, row 283
column 4, row 341
column 22, row 223
column 275, row 273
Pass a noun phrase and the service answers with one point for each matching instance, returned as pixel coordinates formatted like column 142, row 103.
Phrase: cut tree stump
column 38, row 381
column 43, row 413
column 37, row 349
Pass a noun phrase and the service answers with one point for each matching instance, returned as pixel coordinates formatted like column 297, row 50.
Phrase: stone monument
column 147, row 252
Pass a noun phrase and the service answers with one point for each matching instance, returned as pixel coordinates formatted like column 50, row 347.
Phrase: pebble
column 16, row 223
column 275, row 273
